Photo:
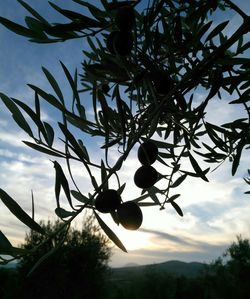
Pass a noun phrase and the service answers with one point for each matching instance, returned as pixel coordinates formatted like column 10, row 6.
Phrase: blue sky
column 214, row 212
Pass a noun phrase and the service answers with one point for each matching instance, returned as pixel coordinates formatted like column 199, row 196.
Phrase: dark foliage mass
column 76, row 268
column 144, row 67
column 225, row 278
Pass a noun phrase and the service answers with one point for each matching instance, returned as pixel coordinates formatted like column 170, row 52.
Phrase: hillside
column 176, row 268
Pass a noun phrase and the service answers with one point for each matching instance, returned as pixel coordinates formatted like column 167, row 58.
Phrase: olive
column 110, row 41
column 125, row 18
column 123, row 43
column 145, row 176
column 130, row 215
column 162, row 81
column 147, row 153
column 107, row 201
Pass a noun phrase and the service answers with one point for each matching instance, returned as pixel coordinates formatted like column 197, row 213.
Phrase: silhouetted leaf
column 75, row 146
column 61, row 181
column 36, row 118
column 33, row 12
column 48, row 97
column 178, row 181
column 197, row 168
column 16, row 114
column 42, row 149
column 4, row 242
column 110, row 233
column 173, row 197
column 54, row 84
column 80, row 197
column 105, row 185
column 216, row 30
column 62, row 213
column 16, row 210
column 177, row 208
column 18, row 29
column 49, row 133
column 84, row 21
column 236, row 159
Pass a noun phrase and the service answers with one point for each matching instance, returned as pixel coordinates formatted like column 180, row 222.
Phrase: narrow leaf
column 197, row 168
column 80, row 197
column 4, row 242
column 18, row 29
column 61, row 180
column 53, row 84
column 179, row 181
column 16, row 210
column 43, row 149
column 16, row 114
column 177, row 208
column 216, row 30
column 110, row 233
column 62, row 213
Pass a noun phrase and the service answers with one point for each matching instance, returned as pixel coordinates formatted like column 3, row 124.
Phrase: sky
column 214, row 213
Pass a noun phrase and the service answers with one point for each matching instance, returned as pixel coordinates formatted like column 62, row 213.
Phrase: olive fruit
column 162, row 81
column 130, row 215
column 107, row 201
column 125, row 18
column 147, row 153
column 145, row 176
column 123, row 43
column 110, row 41
column 120, row 43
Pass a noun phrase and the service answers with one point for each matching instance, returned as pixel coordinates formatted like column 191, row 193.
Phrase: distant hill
column 176, row 268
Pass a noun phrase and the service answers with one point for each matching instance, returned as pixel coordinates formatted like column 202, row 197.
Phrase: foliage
column 76, row 269
column 225, row 278
column 148, row 93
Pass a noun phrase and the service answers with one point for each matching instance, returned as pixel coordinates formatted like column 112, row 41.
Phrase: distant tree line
column 225, row 278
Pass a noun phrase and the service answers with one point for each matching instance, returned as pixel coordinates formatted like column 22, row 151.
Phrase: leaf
column 96, row 12
column 105, row 185
column 75, row 146
column 53, row 84
column 48, row 97
column 18, row 29
column 49, row 134
column 80, row 197
column 173, row 197
column 216, row 30
column 236, row 159
column 62, row 213
column 110, row 233
column 43, row 149
column 16, row 114
column 177, row 208
column 85, row 22
column 16, row 210
column 178, row 181
column 61, row 180
column 34, row 116
column 197, row 168
column 4, row 242
column 33, row 12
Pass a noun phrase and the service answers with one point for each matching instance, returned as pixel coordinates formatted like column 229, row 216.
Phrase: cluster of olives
column 121, row 41
column 146, row 176
column 128, row 213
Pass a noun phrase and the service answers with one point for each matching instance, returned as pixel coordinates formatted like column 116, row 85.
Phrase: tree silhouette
column 77, row 268
column 141, row 69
